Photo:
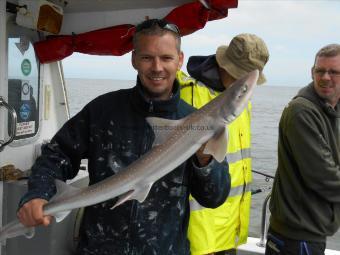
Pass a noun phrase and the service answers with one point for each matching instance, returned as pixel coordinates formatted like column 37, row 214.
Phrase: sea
column 268, row 103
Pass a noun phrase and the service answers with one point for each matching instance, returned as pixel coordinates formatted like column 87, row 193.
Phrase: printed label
column 25, row 128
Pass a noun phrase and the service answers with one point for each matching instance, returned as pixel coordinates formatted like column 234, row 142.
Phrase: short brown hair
column 154, row 28
column 330, row 50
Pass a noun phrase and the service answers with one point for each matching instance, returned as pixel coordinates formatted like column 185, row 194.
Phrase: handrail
column 12, row 132
column 264, row 226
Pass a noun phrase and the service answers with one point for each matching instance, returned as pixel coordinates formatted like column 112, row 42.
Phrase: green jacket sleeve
column 309, row 140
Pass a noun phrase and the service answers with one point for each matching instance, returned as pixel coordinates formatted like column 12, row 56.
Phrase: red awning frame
column 117, row 40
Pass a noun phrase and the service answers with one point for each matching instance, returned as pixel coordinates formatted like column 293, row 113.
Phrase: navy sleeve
column 210, row 185
column 60, row 158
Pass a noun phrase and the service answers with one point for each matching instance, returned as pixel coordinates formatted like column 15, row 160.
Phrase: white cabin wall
column 23, row 155
column 54, row 116
column 53, row 106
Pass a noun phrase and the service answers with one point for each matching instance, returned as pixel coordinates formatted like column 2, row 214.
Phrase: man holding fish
column 112, row 133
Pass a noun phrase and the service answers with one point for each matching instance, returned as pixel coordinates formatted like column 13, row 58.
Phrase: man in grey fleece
column 305, row 201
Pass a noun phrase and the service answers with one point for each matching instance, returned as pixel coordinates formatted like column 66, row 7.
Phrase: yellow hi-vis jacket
column 226, row 227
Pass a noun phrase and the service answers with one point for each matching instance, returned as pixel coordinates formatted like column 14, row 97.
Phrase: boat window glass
column 23, row 85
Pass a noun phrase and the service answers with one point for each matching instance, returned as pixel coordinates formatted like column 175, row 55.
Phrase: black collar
column 309, row 93
column 161, row 108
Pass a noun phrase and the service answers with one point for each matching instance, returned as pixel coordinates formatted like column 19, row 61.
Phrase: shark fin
column 142, row 193
column 123, row 198
column 62, row 190
column 217, row 145
column 163, row 128
column 60, row 216
column 139, row 194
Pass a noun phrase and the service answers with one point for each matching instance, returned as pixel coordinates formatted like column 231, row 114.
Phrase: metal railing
column 264, row 225
column 12, row 131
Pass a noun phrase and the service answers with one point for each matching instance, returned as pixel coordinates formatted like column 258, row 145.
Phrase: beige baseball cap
column 245, row 53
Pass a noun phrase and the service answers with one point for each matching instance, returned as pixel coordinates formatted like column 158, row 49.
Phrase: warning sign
column 25, row 111
column 25, row 128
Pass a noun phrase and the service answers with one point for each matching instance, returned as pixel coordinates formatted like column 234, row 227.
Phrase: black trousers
column 228, row 252
column 277, row 244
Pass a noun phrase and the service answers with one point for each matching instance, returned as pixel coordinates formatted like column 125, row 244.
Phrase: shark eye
column 243, row 90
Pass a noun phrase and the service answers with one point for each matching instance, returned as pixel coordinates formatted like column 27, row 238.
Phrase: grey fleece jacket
column 305, row 203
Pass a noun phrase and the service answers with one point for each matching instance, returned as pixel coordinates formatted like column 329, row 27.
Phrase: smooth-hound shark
column 175, row 142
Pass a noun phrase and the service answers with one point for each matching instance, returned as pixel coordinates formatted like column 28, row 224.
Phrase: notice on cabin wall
column 25, row 128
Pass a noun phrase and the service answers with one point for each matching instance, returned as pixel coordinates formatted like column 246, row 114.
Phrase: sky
column 293, row 31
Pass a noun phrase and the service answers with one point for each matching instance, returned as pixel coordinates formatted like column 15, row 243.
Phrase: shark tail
column 14, row 229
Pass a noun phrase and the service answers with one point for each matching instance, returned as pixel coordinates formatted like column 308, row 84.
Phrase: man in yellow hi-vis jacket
column 221, row 230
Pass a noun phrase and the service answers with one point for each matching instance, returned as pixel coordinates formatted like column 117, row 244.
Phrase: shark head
column 237, row 96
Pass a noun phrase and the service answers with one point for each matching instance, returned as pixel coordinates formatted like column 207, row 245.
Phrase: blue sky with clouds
column 292, row 30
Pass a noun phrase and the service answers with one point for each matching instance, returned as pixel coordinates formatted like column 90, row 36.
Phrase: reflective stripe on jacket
column 226, row 227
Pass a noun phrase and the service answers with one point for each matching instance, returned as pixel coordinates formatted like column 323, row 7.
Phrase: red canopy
column 117, row 40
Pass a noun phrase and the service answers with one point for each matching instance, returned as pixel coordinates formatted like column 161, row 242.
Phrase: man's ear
column 181, row 60
column 311, row 72
column 133, row 59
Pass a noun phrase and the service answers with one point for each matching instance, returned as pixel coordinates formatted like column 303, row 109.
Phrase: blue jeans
column 277, row 244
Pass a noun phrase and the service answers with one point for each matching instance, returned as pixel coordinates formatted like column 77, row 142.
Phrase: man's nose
column 157, row 64
column 326, row 76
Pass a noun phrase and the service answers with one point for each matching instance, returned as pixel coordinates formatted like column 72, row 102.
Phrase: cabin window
column 23, row 86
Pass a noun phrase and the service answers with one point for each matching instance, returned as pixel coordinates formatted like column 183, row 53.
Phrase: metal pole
column 63, row 85
column 3, row 87
column 264, row 226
